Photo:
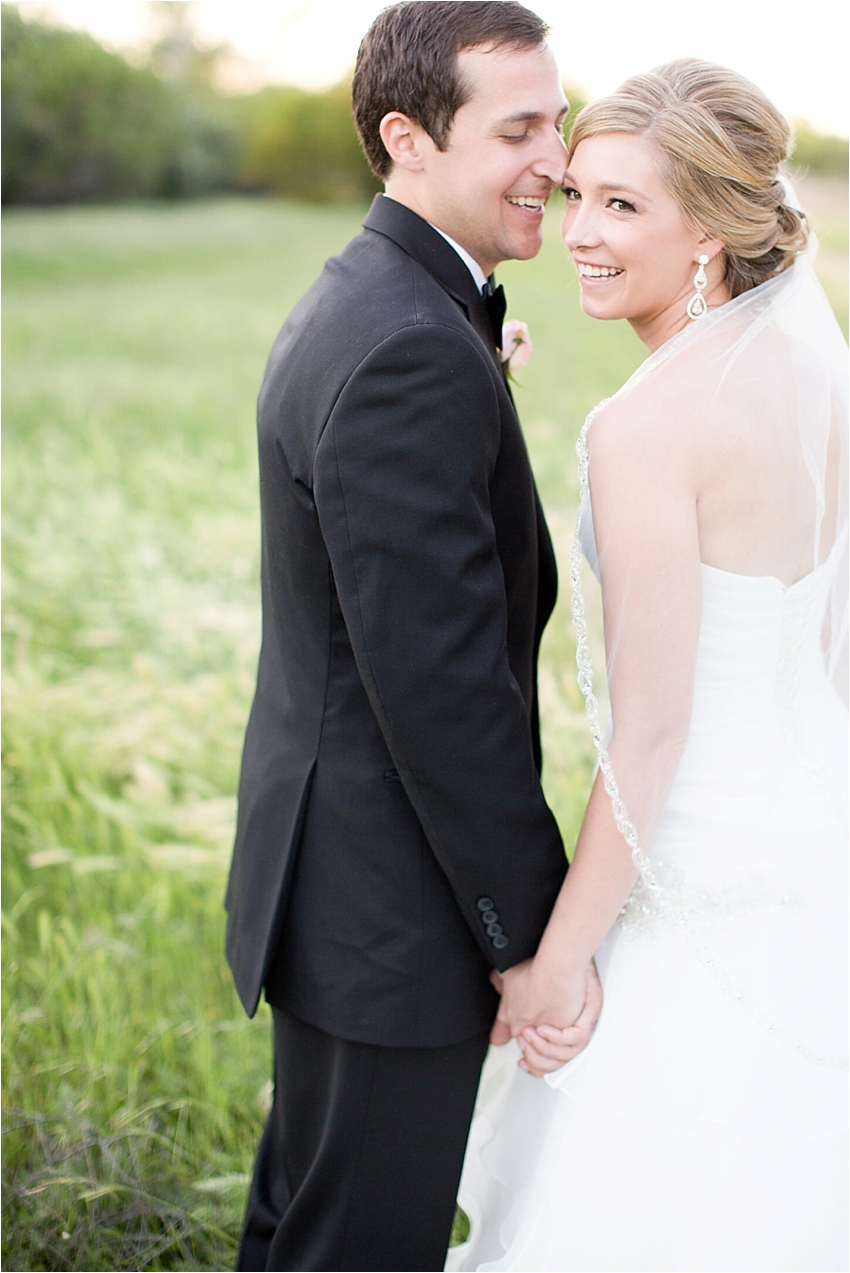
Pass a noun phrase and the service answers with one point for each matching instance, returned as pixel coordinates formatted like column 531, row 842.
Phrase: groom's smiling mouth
column 533, row 203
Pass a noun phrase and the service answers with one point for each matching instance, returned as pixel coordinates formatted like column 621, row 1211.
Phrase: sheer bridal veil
column 764, row 375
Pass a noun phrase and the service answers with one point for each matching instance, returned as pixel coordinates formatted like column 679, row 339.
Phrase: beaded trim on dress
column 649, row 896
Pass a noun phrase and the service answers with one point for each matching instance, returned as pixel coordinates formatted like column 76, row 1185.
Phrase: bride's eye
column 571, row 194
column 621, row 205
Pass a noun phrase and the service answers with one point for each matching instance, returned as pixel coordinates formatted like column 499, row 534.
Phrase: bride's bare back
column 763, row 484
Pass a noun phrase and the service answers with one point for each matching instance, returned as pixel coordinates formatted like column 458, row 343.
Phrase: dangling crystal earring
column 697, row 307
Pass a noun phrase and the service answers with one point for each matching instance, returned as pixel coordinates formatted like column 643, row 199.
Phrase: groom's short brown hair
column 408, row 62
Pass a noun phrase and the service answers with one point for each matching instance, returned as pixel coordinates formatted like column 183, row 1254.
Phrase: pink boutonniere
column 516, row 345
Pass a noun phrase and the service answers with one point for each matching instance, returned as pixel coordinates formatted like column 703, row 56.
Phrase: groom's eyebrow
column 520, row 117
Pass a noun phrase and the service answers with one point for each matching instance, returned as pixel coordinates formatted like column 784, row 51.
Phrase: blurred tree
column 304, row 145
column 82, row 124
column 818, row 152
column 206, row 125
column 576, row 98
column 176, row 55
column 79, row 123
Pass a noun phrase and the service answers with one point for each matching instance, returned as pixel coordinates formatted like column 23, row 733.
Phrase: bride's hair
column 722, row 143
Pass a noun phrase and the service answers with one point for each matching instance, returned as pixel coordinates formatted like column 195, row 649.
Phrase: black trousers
column 359, row 1163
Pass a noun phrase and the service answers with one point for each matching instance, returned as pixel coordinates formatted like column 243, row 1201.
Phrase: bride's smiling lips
column 592, row 274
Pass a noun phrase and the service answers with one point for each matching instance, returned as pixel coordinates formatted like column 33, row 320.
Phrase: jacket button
column 500, row 941
column 485, row 903
column 490, row 917
column 493, row 930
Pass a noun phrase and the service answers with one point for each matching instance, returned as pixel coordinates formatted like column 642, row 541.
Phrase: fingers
column 500, row 1033
column 557, row 1045
column 537, row 1066
column 546, row 1048
column 537, row 1063
column 547, row 1040
column 575, row 1037
column 589, row 1014
column 585, row 1023
column 556, row 1033
column 497, row 980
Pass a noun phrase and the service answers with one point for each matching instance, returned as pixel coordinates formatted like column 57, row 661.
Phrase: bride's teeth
column 599, row 271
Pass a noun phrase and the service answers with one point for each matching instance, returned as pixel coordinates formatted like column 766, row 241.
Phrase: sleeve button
column 500, row 941
column 493, row 930
column 485, row 903
column 490, row 917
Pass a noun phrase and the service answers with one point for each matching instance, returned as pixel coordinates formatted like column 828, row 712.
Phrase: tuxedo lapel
column 390, row 454
column 421, row 241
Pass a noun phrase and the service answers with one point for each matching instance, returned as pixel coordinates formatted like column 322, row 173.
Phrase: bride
column 704, row 1126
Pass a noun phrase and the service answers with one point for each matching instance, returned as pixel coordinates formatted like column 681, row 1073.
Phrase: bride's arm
column 644, row 489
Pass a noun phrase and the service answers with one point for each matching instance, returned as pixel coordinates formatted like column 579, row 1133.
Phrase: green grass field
column 135, row 340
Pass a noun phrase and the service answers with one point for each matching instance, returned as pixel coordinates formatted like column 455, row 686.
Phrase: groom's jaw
column 523, row 222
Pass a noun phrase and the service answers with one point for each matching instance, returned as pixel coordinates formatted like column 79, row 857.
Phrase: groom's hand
column 501, row 1031
column 552, row 1018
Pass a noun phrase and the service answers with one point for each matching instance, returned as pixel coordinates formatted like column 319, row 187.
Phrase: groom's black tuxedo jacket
column 393, row 841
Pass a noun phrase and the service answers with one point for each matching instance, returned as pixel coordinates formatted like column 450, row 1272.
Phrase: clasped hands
column 550, row 1014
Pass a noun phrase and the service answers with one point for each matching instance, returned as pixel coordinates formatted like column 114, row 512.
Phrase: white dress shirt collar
column 469, row 261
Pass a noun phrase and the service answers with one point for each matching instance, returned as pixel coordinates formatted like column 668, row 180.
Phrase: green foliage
column 575, row 97
column 460, row 1228
column 818, row 152
column 135, row 340
column 78, row 122
column 305, row 145
column 135, row 344
column 81, row 124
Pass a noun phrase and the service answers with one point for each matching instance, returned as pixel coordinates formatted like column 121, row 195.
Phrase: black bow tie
column 495, row 305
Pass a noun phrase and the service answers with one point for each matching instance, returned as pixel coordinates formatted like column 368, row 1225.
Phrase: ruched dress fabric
column 705, row 1125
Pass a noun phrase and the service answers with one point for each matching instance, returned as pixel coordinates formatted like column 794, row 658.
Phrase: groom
column 394, row 845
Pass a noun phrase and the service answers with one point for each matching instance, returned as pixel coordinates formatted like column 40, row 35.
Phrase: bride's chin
column 590, row 305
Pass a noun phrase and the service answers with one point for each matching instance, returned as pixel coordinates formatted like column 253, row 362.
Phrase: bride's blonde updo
column 722, row 144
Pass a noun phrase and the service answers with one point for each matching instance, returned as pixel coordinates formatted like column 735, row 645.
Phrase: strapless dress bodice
column 760, row 669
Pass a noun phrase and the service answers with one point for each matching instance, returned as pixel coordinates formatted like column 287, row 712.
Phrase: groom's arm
column 401, row 484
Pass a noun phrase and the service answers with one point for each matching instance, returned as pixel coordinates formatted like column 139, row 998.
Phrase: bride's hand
column 533, row 999
column 545, row 1048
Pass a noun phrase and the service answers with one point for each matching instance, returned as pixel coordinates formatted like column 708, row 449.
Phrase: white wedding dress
column 705, row 1125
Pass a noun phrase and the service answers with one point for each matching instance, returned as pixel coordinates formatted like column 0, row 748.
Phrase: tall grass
column 135, row 342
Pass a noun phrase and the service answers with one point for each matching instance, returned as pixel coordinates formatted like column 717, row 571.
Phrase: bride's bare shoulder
column 646, row 416
column 698, row 399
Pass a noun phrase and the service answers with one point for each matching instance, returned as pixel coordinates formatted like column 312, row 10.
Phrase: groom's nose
column 550, row 161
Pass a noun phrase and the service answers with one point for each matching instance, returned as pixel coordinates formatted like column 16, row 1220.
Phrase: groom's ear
column 403, row 140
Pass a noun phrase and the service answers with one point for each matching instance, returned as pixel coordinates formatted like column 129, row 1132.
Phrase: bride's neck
column 657, row 328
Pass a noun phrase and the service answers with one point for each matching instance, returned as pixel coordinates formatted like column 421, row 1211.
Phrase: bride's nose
column 579, row 228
